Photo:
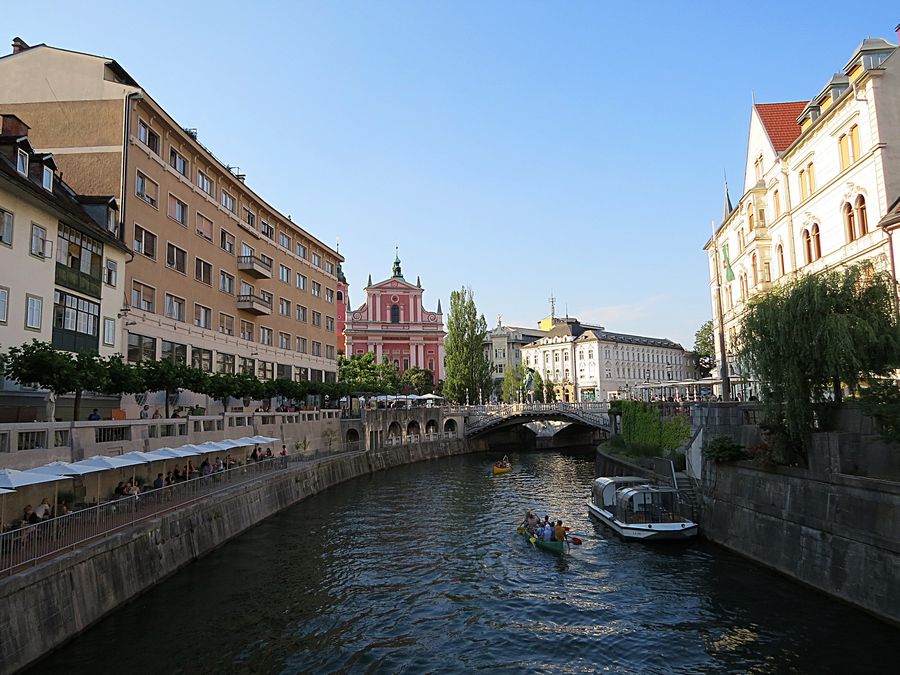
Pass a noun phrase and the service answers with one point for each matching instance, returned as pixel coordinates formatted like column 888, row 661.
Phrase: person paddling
column 559, row 532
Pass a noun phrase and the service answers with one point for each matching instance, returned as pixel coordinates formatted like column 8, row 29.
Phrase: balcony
column 256, row 267
column 254, row 304
column 77, row 280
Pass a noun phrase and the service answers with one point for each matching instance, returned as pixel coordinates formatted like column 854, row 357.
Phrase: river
column 419, row 569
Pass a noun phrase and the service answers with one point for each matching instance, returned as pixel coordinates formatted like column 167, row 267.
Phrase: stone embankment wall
column 43, row 607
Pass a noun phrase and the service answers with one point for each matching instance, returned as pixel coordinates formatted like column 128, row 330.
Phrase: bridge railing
column 595, row 413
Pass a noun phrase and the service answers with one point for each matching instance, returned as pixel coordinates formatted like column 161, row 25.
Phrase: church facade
column 393, row 323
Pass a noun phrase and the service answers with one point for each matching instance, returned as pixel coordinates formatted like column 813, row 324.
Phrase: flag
column 729, row 273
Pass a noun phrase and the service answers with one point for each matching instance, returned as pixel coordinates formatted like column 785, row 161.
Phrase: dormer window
column 47, row 179
column 22, row 162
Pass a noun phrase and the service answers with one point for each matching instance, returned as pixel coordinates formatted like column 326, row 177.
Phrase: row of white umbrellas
column 10, row 479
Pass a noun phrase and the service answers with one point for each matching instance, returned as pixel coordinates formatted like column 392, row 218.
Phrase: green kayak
column 552, row 546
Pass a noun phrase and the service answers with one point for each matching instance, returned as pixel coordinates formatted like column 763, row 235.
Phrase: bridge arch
column 431, row 427
column 352, row 436
column 395, row 430
column 413, row 429
column 450, row 427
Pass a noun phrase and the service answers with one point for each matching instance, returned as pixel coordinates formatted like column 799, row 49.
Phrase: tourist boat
column 552, row 546
column 638, row 510
column 500, row 467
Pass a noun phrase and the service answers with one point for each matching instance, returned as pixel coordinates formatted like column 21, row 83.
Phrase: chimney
column 10, row 125
column 18, row 45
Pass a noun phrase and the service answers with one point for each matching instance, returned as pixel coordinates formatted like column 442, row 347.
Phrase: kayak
column 552, row 546
column 502, row 469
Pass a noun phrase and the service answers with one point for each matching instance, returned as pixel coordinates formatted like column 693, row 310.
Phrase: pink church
column 394, row 323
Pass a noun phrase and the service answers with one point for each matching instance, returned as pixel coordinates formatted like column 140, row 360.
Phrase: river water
column 419, row 569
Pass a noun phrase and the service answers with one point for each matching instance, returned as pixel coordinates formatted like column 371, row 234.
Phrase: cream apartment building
column 820, row 174
column 219, row 278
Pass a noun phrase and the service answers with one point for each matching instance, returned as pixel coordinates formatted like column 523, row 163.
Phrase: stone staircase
column 686, row 492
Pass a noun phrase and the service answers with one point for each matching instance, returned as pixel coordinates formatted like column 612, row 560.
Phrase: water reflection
column 420, row 569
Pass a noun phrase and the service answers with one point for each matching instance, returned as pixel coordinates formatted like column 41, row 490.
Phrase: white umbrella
column 169, row 453
column 143, row 456
column 264, row 439
column 105, row 462
column 230, row 443
column 432, row 397
column 65, row 469
column 245, row 441
column 11, row 479
column 190, row 450
column 216, row 446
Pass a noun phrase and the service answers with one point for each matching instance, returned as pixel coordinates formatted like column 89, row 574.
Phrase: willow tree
column 805, row 339
column 468, row 369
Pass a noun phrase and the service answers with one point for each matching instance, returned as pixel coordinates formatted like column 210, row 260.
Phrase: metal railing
column 30, row 544
column 595, row 413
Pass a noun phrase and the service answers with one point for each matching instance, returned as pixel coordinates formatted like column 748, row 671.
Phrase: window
column 284, row 340
column 779, row 254
column 317, row 349
column 225, row 363
column 144, row 242
column 316, row 289
column 141, row 348
column 34, row 306
column 247, row 366
column 246, row 289
column 329, row 267
column 284, row 307
column 175, row 307
column 301, row 313
column 754, row 265
column 204, row 227
column 266, row 370
column 267, row 230
column 804, row 184
column 226, row 282
column 201, row 359
column 148, row 137
column 147, row 190
column 284, row 274
column 226, row 324
column 47, row 179
column 849, row 221
column 283, row 370
column 329, row 352
column 248, row 330
column 176, row 258
column 202, row 316
column 844, row 150
column 776, row 199
column 109, row 332
column 178, row 162
column 80, row 254
column 228, row 201
column 816, row 243
column 203, row 271
column 301, row 344
column 22, row 162
column 6, row 227
column 750, row 220
column 178, row 210
column 266, row 297
column 862, row 220
column 329, row 295
column 395, row 317
column 246, row 250
column 172, row 351
column 316, row 260
column 265, row 335
column 111, row 273
column 266, row 260
column 143, row 296
column 317, row 319
column 854, row 143
column 4, row 305
column 204, row 183
column 329, row 323
column 301, row 281
column 301, row 250
column 39, row 244
column 284, row 240
column 249, row 218
column 226, row 241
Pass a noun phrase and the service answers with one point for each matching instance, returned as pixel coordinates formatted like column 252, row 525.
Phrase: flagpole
column 723, row 364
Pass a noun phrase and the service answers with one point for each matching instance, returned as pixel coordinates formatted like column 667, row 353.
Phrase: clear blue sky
column 512, row 147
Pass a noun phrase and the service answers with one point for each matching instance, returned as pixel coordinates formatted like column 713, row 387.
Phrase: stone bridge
column 482, row 419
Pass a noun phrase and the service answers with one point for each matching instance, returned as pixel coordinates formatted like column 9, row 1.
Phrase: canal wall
column 45, row 606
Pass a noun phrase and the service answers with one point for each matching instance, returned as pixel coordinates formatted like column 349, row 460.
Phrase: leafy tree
column 121, row 377
column 512, row 384
column 538, row 387
column 169, row 377
column 468, row 369
column 417, row 380
column 704, row 348
column 361, row 373
column 816, row 334
column 39, row 364
column 549, row 391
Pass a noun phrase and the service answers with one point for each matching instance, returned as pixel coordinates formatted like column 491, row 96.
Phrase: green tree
column 122, row 377
column 168, row 376
column 538, row 387
column 512, row 386
column 361, row 373
column 817, row 334
column 38, row 364
column 704, row 348
column 549, row 391
column 468, row 369
column 417, row 380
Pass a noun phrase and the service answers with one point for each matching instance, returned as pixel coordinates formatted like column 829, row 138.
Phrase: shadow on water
column 420, row 569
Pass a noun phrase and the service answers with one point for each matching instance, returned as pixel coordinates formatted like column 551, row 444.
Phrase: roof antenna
column 552, row 306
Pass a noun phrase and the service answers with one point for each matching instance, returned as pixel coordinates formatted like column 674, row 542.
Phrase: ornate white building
column 819, row 175
column 588, row 364
column 503, row 348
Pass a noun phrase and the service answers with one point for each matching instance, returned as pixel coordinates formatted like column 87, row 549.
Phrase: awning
column 105, row 462
column 264, row 439
column 143, row 456
column 172, row 453
column 65, row 469
column 11, row 478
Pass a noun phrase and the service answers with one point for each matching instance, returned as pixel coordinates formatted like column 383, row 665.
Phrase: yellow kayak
column 501, row 468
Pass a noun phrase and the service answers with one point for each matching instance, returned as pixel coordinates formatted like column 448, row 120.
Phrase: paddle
column 575, row 540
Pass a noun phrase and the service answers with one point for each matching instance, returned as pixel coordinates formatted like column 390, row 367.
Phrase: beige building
column 503, row 348
column 820, row 174
column 219, row 278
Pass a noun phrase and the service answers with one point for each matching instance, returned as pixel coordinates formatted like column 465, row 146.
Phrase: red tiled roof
column 780, row 121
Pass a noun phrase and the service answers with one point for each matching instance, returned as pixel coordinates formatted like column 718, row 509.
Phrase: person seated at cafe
column 94, row 416
column 169, row 478
column 43, row 510
column 156, row 414
column 220, row 465
column 64, row 509
column 176, row 476
column 284, row 451
column 269, row 453
column 176, row 415
column 159, row 482
column 191, row 469
column 29, row 517
column 255, row 455
column 132, row 489
column 120, row 489
column 205, row 468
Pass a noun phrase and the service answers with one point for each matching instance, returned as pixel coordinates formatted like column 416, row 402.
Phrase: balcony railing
column 254, row 304
column 255, row 266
